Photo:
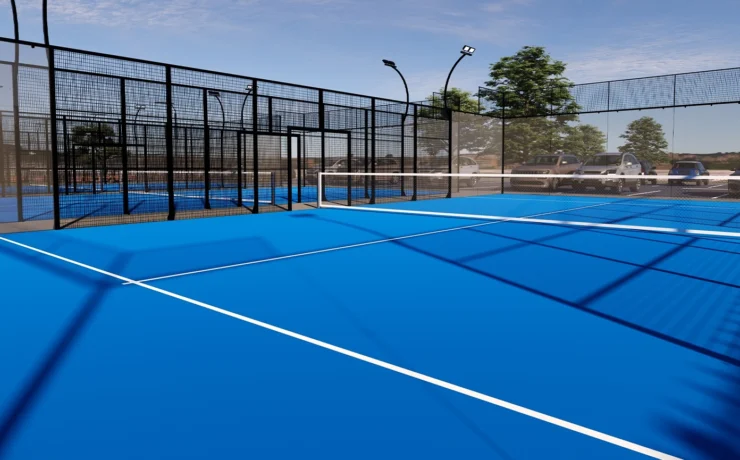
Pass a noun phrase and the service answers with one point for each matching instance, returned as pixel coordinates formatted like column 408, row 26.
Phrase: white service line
column 376, row 362
column 721, row 196
column 349, row 246
column 529, row 220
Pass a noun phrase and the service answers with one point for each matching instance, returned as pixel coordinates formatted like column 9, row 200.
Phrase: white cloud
column 652, row 49
column 504, row 5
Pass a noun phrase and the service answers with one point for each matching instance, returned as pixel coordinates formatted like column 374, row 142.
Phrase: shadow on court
column 583, row 304
column 67, row 338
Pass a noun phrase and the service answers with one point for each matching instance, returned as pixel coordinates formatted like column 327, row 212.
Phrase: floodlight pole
column 45, row 19
column 393, row 66
column 466, row 51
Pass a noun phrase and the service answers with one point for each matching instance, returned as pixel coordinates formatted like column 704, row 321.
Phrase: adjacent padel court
column 491, row 326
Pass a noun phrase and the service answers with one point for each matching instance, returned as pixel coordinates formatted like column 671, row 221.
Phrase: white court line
column 350, row 246
column 721, row 196
column 644, row 193
column 376, row 362
column 529, row 220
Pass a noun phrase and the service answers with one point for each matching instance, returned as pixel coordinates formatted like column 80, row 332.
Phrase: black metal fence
column 93, row 139
column 136, row 141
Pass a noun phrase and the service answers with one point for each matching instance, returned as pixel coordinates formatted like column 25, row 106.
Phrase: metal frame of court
column 158, row 117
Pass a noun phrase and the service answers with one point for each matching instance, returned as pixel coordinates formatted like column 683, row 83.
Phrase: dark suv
column 691, row 169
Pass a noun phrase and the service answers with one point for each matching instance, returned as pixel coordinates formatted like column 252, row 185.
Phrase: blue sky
column 339, row 44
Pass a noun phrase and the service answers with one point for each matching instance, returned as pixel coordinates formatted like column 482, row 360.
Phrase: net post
column 187, row 168
column 416, row 151
column 239, row 178
column 372, row 152
column 319, row 192
column 124, row 148
column 206, row 154
column 54, row 145
column 255, row 147
column 170, row 149
column 93, row 161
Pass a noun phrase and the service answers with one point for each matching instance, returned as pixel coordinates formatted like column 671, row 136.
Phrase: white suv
column 465, row 165
column 611, row 164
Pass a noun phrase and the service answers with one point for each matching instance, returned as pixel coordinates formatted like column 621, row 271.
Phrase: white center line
column 370, row 360
column 352, row 246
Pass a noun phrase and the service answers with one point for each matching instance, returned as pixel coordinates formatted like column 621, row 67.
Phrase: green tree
column 525, row 88
column 583, row 140
column 645, row 139
column 474, row 133
column 95, row 144
column 530, row 83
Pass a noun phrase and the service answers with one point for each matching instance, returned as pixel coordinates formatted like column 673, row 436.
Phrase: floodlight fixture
column 468, row 50
column 389, row 63
column 214, row 93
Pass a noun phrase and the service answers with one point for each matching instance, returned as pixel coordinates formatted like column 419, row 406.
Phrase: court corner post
column 170, row 149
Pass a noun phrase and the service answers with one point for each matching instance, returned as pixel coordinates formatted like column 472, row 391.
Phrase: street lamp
column 393, row 66
column 217, row 95
column 466, row 51
column 249, row 91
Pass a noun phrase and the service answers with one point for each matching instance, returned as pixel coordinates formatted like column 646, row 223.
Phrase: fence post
column 290, row 170
column 54, row 146
column 66, row 154
column 372, row 152
column 323, row 137
column 124, row 148
column 449, row 152
column 403, row 154
column 416, row 149
column 503, row 139
column 367, row 138
column 170, row 149
column 2, row 157
column 239, row 183
column 255, row 147
column 206, row 154
column 349, row 168
column 17, row 137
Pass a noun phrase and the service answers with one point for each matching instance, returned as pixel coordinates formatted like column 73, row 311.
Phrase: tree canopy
column 645, row 139
column 530, row 83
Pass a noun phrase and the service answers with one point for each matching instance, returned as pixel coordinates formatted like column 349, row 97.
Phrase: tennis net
column 693, row 204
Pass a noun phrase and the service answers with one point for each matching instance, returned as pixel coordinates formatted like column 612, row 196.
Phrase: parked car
column 545, row 164
column 692, row 169
column 610, row 165
column 386, row 165
column 648, row 170
column 358, row 165
column 733, row 186
column 465, row 165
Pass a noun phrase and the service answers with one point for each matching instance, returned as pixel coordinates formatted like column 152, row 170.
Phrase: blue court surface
column 335, row 333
